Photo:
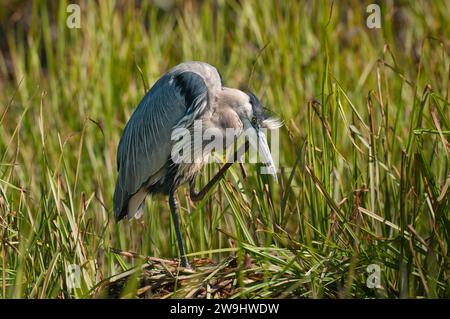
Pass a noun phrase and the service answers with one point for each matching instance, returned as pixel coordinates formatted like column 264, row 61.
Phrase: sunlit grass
column 364, row 176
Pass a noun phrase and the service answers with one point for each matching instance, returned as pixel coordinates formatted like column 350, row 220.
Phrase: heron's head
column 256, row 122
column 259, row 117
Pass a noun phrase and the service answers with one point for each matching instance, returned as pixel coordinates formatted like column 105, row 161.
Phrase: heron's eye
column 254, row 121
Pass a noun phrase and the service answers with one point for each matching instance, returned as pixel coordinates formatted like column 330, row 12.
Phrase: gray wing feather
column 144, row 148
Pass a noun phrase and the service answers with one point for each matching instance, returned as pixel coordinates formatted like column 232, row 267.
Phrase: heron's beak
column 258, row 141
column 266, row 156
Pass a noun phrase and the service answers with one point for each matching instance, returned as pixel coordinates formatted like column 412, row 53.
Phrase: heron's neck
column 232, row 98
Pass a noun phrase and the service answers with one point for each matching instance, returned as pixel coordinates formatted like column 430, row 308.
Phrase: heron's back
column 143, row 155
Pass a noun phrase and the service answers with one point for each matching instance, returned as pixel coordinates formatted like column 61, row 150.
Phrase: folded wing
column 180, row 96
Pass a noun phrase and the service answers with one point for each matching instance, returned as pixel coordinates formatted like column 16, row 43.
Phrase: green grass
column 364, row 173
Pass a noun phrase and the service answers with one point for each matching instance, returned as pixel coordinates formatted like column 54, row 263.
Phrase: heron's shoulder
column 209, row 73
column 192, row 66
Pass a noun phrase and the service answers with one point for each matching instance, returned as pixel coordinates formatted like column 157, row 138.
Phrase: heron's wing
column 182, row 94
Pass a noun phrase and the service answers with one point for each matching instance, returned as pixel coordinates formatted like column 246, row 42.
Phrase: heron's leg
column 197, row 196
column 174, row 210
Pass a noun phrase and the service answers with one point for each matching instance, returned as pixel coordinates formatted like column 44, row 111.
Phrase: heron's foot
column 185, row 263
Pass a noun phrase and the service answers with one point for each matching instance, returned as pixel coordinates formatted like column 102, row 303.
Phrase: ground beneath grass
column 165, row 278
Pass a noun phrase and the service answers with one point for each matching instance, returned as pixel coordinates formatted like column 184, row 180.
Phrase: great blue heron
column 188, row 92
